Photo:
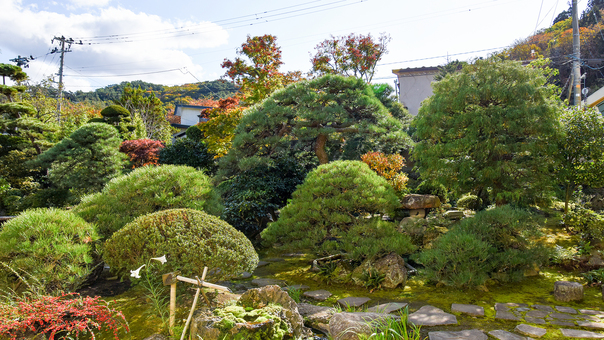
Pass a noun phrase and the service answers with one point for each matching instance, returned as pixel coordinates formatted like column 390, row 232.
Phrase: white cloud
column 144, row 43
column 89, row 3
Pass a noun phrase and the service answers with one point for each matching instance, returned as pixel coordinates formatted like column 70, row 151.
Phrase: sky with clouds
column 176, row 42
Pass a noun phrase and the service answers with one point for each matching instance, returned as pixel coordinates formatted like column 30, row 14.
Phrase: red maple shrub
column 58, row 316
column 142, row 151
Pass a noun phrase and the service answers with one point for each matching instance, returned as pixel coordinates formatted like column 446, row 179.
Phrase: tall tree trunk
column 320, row 148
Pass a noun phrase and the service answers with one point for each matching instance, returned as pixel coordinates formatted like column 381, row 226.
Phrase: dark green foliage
column 490, row 128
column 186, row 151
column 449, row 68
column 85, row 160
column 385, row 93
column 471, row 202
column 496, row 244
column 194, row 133
column 432, row 188
column 588, row 223
column 14, row 73
column 330, row 116
column 54, row 246
column 119, row 117
column 146, row 190
column 190, row 239
column 333, row 211
column 252, row 198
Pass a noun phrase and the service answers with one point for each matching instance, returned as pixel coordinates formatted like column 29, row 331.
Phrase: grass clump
column 190, row 239
column 147, row 190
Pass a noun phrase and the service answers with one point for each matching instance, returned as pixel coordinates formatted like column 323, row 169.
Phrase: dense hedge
column 146, row 190
column 190, row 239
column 53, row 246
column 190, row 152
column 333, row 210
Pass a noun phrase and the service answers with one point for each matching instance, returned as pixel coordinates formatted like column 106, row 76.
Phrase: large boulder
column 261, row 313
column 316, row 317
column 415, row 201
column 392, row 266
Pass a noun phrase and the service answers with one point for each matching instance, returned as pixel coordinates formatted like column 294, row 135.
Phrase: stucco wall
column 414, row 89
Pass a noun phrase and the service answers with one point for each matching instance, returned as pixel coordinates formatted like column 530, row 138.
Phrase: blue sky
column 177, row 42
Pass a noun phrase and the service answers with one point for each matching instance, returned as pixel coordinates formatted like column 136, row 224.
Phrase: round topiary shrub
column 328, row 212
column 190, row 239
column 53, row 246
column 146, row 190
column 186, row 151
column 469, row 201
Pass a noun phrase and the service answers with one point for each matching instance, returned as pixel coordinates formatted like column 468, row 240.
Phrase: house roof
column 416, row 71
column 595, row 99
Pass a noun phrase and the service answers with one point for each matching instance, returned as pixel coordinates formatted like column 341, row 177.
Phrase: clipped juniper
column 338, row 209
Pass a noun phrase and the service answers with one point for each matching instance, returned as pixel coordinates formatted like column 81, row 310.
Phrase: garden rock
column 267, row 282
column 453, row 215
column 527, row 330
column 415, row 201
column 431, row 316
column 575, row 333
column 392, row 266
column 470, row 334
column 319, row 295
column 353, row 301
column 467, row 309
column 316, row 317
column 568, row 291
column 595, row 261
column 348, row 326
column 387, row 307
column 504, row 335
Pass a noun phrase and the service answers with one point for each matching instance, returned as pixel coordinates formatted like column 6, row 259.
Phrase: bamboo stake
column 172, row 306
column 203, row 276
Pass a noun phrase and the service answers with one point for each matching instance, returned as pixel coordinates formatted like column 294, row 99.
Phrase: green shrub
column 194, row 133
column 252, row 198
column 146, row 190
column 496, row 244
column 470, row 201
column 186, row 151
column 331, row 208
column 429, row 188
column 54, row 246
column 588, row 223
column 190, row 239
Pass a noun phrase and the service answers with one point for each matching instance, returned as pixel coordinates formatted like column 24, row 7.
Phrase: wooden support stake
column 199, row 282
column 172, row 306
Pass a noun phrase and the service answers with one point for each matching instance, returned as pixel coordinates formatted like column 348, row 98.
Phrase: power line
column 440, row 56
column 121, row 75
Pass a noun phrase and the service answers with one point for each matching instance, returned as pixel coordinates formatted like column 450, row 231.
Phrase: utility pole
column 576, row 57
column 62, row 40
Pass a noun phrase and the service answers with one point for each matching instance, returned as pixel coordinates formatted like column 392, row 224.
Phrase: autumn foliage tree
column 219, row 129
column 142, row 151
column 389, row 167
column 352, row 55
column 259, row 78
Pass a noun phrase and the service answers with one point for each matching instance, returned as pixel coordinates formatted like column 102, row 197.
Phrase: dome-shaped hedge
column 146, row 190
column 334, row 205
column 52, row 245
column 190, row 239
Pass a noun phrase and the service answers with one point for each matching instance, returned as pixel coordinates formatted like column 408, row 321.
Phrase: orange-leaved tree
column 142, row 151
column 389, row 167
column 219, row 129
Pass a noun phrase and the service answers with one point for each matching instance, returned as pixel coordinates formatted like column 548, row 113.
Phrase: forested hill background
column 179, row 94
column 556, row 43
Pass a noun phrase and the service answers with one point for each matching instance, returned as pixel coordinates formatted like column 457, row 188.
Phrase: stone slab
column 505, row 335
column 431, row 316
column 543, row 308
column 470, row 334
column 352, row 301
column 531, row 331
column 591, row 312
column 536, row 321
column 576, row 333
column 298, row 287
column 319, row 295
column 504, row 315
column 316, row 316
column 562, row 323
column 589, row 324
column 561, row 316
column 267, row 282
column 536, row 314
column 262, row 264
column 467, row 309
column 245, row 275
column 387, row 308
column 568, row 310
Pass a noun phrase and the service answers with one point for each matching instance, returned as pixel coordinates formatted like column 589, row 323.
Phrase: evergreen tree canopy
column 490, row 128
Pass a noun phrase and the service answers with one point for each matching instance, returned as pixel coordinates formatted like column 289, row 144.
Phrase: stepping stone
column 543, row 308
column 536, row 314
column 503, row 315
column 298, row 287
column 267, row 282
column 245, row 275
column 562, row 323
column 591, row 312
column 316, row 316
column 431, row 316
column 507, row 306
column 575, row 333
column 353, row 301
column 523, row 309
column 262, row 264
column 504, row 335
column 535, row 321
column 527, row 330
column 471, row 334
column 294, row 255
column 387, row 307
column 588, row 318
column 568, row 310
column 319, row 295
column 467, row 309
column 589, row 324
column 561, row 316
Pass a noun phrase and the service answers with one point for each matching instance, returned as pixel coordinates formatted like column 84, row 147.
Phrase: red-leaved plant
column 142, row 151
column 58, row 316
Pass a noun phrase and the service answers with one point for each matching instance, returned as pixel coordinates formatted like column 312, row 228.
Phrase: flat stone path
column 471, row 334
column 431, row 316
column 319, row 295
column 267, row 282
column 472, row 310
column 579, row 334
column 505, row 335
column 535, row 332
column 353, row 301
column 387, row 307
